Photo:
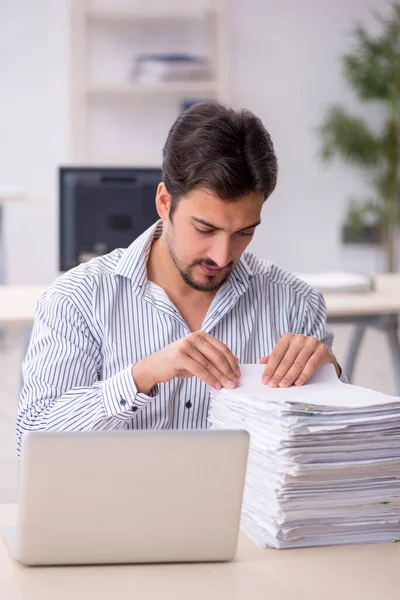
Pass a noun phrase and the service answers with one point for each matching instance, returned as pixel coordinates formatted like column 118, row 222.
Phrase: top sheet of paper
column 324, row 389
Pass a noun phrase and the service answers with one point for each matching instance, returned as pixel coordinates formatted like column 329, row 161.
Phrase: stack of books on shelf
column 155, row 68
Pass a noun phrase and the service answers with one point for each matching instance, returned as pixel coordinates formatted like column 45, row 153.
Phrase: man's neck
column 162, row 270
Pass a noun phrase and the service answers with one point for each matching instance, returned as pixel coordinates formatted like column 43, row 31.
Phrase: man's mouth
column 211, row 271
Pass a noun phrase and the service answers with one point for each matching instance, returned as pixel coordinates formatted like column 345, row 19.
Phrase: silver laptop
column 129, row 497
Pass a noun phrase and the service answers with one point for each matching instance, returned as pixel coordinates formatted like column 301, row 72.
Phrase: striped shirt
column 103, row 316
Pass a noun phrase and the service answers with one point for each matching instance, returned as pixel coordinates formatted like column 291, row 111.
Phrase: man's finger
column 320, row 356
column 198, row 370
column 295, row 358
column 230, row 357
column 298, row 367
column 219, row 354
column 275, row 359
column 210, row 359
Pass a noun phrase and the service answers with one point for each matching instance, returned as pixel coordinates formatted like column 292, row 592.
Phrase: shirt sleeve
column 62, row 389
column 314, row 323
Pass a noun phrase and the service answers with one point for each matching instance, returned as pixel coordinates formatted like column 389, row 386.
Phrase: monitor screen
column 102, row 209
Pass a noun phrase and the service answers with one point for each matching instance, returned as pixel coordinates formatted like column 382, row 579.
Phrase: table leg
column 352, row 352
column 2, row 268
column 389, row 324
column 394, row 347
column 1, row 246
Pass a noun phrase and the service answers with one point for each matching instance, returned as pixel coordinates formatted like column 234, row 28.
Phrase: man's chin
column 207, row 283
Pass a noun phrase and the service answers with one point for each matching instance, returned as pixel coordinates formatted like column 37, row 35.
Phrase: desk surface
column 344, row 572
column 12, row 194
column 17, row 302
column 383, row 300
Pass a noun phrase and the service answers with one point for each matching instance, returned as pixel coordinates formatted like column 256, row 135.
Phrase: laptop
column 129, row 497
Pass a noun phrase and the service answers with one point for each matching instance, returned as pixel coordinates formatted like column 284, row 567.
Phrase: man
column 133, row 339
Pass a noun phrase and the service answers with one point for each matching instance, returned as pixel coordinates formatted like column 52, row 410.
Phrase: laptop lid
column 130, row 497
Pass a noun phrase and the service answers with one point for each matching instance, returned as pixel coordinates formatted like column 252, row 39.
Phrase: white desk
column 7, row 195
column 378, row 308
column 332, row 573
column 17, row 303
column 383, row 300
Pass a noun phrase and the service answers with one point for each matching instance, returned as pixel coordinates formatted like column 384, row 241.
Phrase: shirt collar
column 241, row 276
column 133, row 263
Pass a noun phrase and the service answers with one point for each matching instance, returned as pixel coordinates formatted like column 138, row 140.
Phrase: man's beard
column 212, row 286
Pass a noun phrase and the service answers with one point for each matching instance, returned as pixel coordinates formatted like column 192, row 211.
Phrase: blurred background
column 88, row 92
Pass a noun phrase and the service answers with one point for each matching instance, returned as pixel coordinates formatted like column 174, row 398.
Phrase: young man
column 133, row 339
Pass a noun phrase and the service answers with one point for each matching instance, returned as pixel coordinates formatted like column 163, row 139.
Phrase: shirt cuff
column 121, row 398
column 342, row 376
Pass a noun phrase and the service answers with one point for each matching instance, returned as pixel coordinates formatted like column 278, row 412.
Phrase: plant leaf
column 349, row 137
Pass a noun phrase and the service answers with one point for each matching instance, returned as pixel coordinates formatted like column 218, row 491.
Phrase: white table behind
column 377, row 308
column 17, row 302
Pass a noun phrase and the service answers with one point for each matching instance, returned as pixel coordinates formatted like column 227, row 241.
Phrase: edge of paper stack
column 324, row 460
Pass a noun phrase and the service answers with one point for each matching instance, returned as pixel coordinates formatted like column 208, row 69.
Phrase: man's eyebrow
column 207, row 224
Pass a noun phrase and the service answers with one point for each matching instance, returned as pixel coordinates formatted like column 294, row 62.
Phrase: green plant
column 372, row 68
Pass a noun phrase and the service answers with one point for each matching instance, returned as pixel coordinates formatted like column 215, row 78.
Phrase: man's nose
column 220, row 252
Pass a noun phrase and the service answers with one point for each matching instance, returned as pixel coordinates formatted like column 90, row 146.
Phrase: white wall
column 33, row 129
column 286, row 69
column 283, row 65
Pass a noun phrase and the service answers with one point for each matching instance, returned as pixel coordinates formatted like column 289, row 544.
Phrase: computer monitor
column 102, row 209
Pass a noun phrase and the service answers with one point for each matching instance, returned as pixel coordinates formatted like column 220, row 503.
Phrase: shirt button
column 122, row 402
column 188, row 404
column 134, row 408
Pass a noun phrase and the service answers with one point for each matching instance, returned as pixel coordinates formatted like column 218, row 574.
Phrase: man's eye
column 246, row 233
column 204, row 231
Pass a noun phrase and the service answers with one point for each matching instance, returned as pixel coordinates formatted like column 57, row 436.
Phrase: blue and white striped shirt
column 100, row 318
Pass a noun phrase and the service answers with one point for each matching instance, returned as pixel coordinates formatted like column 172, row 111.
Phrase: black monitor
column 102, row 209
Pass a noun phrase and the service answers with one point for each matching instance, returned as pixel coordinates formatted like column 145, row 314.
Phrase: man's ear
column 163, row 201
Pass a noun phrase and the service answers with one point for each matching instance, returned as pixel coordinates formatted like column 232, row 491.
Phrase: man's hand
column 198, row 354
column 294, row 359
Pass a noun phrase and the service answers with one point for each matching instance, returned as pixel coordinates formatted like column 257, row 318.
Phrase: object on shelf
column 366, row 235
column 153, row 68
column 338, row 281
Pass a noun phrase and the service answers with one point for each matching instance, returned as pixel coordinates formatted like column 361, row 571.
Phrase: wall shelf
column 142, row 14
column 170, row 87
column 107, row 38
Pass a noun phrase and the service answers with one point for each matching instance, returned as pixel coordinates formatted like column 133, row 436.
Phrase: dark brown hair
column 225, row 151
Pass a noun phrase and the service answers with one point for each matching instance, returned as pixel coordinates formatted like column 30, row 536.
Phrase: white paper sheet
column 324, row 389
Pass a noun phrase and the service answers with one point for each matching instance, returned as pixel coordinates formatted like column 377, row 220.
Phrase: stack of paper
column 324, row 460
